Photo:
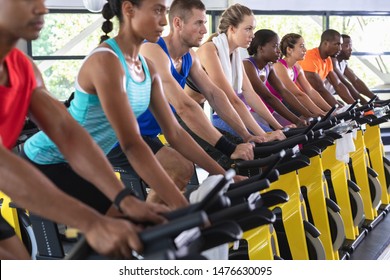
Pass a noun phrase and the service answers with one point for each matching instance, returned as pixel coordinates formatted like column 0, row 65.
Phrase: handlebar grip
column 173, row 228
column 284, row 144
column 248, row 189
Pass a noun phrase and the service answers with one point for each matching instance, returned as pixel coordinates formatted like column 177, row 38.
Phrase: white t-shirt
column 341, row 66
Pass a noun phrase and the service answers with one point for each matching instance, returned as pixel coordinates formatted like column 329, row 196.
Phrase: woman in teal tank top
column 114, row 86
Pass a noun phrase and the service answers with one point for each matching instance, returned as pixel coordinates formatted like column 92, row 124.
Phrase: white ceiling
column 301, row 5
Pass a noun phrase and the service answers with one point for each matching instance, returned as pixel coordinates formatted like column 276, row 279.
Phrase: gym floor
column 376, row 245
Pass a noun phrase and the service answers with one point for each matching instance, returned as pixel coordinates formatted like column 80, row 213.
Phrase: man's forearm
column 30, row 189
column 196, row 120
column 328, row 97
column 344, row 94
column 363, row 89
column 194, row 152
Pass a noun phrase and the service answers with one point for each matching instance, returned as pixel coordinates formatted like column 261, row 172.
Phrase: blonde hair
column 233, row 16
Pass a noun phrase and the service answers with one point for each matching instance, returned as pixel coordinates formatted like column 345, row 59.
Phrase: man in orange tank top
column 318, row 67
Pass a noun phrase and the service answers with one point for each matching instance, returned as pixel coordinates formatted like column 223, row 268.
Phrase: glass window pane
column 59, row 76
column 364, row 31
column 359, row 65
column 372, row 69
column 310, row 27
column 69, row 34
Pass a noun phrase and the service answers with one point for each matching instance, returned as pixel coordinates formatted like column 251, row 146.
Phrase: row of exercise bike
column 313, row 196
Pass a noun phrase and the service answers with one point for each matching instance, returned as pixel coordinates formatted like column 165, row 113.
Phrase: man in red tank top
column 22, row 91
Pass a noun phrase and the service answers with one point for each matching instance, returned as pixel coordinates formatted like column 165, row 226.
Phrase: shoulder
column 193, row 54
column 247, row 60
column 24, row 67
column 102, row 57
column 101, row 64
column 312, row 54
column 148, row 62
column 103, row 53
column 208, row 47
column 152, row 49
column 151, row 66
column 279, row 66
column 150, row 45
column 19, row 58
column 154, row 52
column 298, row 67
column 15, row 53
column 247, row 63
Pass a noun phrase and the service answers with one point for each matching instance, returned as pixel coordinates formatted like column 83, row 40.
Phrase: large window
column 371, row 46
column 65, row 40
column 68, row 36
column 309, row 26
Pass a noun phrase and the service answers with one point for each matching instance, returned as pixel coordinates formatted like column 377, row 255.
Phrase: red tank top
column 15, row 97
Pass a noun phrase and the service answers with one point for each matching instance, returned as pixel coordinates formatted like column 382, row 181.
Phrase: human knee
column 178, row 167
column 187, row 170
column 182, row 169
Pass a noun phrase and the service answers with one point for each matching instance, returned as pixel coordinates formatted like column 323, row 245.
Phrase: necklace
column 135, row 66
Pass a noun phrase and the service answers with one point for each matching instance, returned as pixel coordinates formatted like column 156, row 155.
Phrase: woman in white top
column 221, row 60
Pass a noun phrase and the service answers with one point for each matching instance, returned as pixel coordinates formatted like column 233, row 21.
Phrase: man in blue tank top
column 175, row 61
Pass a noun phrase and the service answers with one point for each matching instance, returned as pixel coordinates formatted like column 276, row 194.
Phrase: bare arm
column 218, row 100
column 358, row 83
column 340, row 88
column 351, row 88
column 282, row 75
column 28, row 188
column 210, row 61
column 307, row 108
column 82, row 153
column 309, row 90
column 109, row 83
column 177, row 137
column 268, row 97
column 315, row 81
column 255, row 102
column 185, row 107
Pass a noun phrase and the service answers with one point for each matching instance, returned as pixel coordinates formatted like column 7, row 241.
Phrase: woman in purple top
column 291, row 74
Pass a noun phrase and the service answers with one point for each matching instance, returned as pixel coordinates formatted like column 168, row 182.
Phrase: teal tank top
column 86, row 109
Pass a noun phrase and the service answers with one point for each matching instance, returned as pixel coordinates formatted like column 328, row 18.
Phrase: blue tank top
column 86, row 109
column 147, row 123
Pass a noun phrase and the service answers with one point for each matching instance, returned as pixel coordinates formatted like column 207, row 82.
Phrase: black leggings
column 63, row 176
column 118, row 158
column 6, row 231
